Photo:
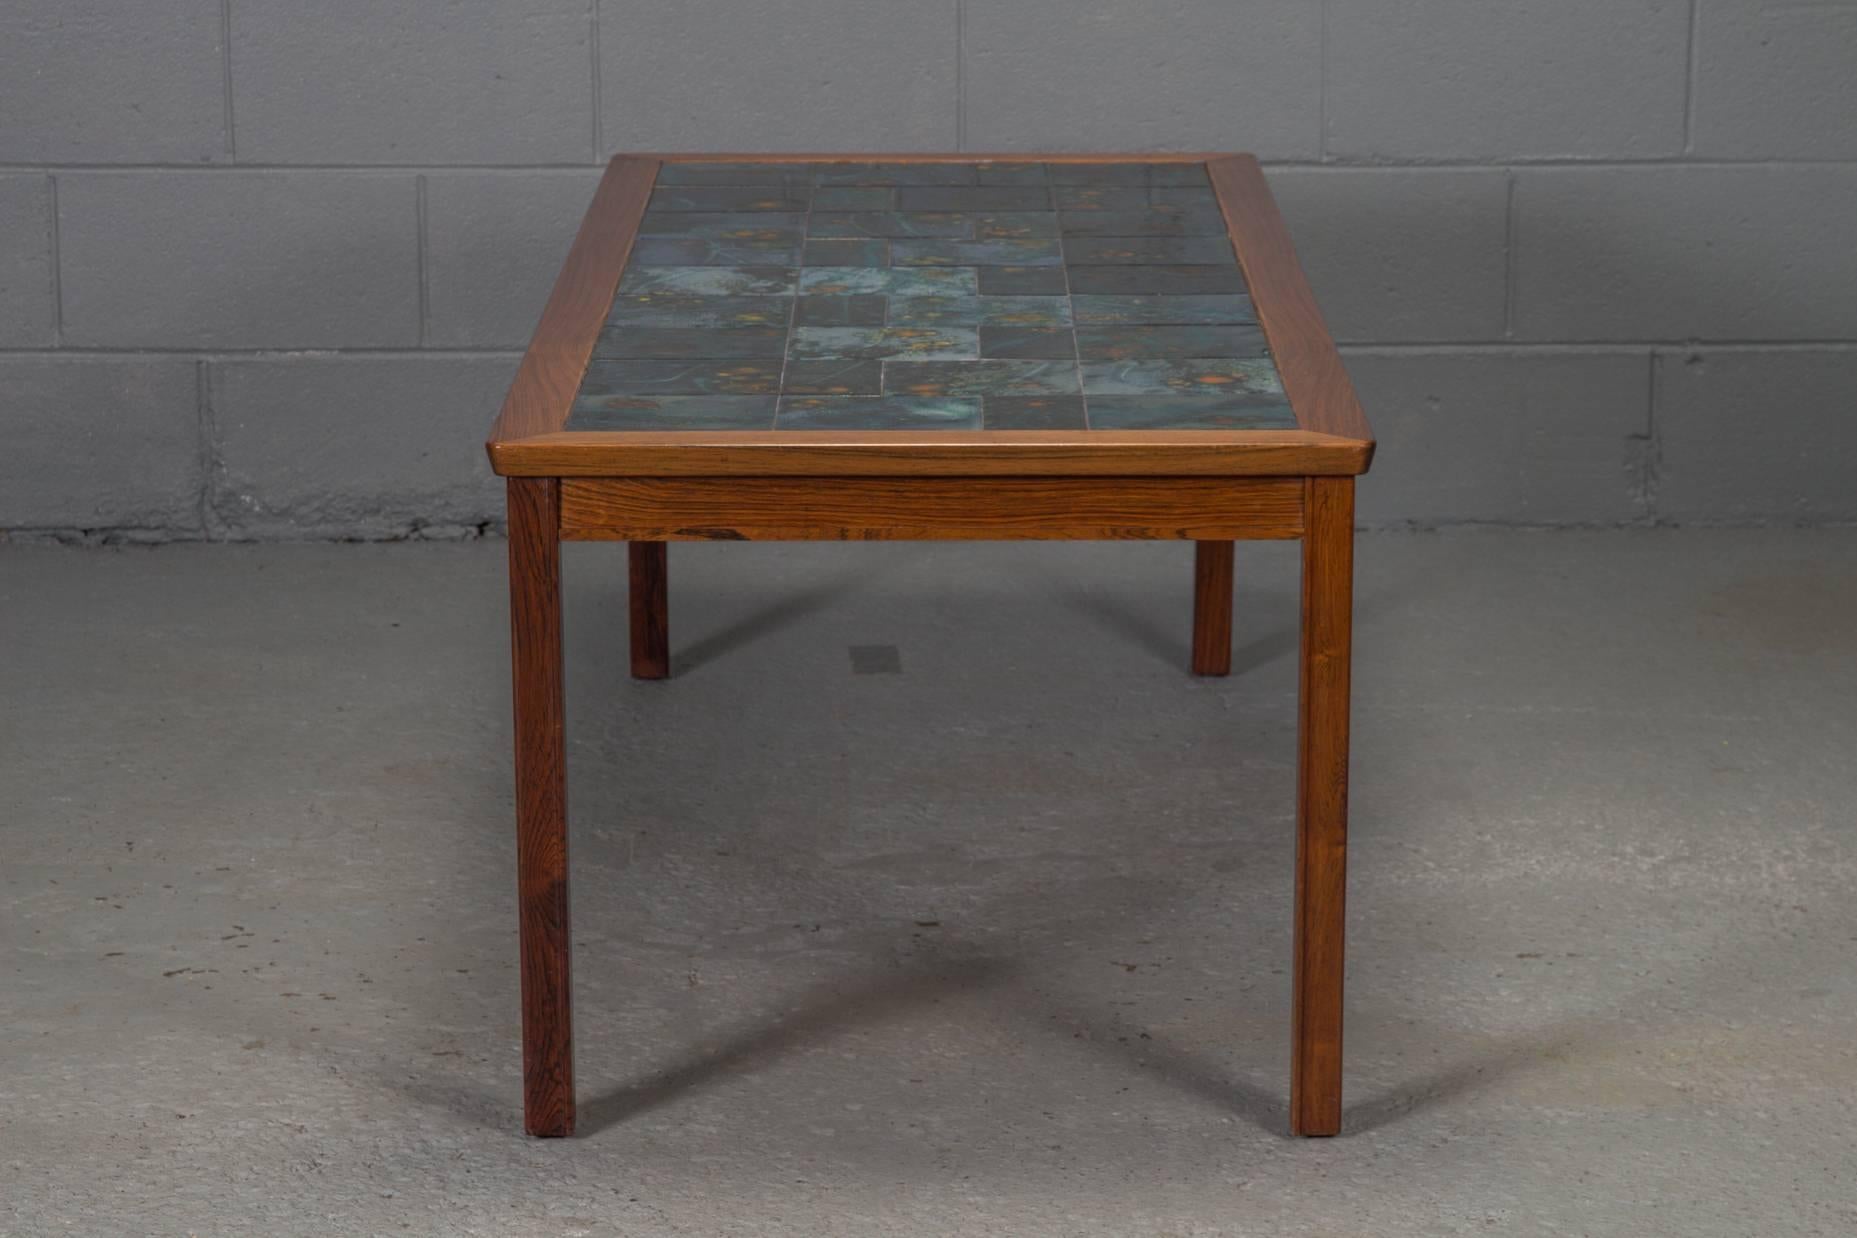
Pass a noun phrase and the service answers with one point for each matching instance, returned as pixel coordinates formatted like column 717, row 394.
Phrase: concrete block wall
column 266, row 268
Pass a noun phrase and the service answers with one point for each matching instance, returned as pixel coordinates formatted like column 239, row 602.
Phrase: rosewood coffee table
column 963, row 346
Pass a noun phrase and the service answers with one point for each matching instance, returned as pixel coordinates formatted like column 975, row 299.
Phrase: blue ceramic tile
column 1104, row 311
column 1133, row 198
column 1179, row 174
column 700, row 343
column 1010, row 225
column 679, row 412
column 1190, row 412
column 969, row 378
column 1137, row 279
column 1098, row 173
column 788, row 197
column 671, row 309
column 848, row 281
column 1203, row 377
column 1032, row 412
column 973, row 311
column 1043, row 343
column 886, row 413
column 975, row 198
column 853, row 198
column 782, row 226
column 1124, row 343
column 711, row 281
column 1146, row 250
column 864, row 343
column 1023, row 282
column 1041, row 251
column 862, row 311
column 733, row 173
column 1142, row 223
column 606, row 379
column 896, row 174
column 867, row 253
column 835, row 377
column 689, row 251
column 1012, row 174
column 833, row 224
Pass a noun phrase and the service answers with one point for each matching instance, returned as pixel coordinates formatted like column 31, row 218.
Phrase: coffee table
column 766, row 347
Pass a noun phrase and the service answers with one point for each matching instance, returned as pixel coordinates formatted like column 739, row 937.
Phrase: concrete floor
column 996, row 944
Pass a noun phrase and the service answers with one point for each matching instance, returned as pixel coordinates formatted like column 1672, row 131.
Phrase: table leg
column 650, row 601
column 1212, row 608
column 541, row 805
column 1322, row 805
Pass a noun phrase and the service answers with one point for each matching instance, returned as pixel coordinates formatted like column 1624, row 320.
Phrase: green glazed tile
column 1041, row 251
column 853, row 198
column 1187, row 223
column 674, row 309
column 1190, row 412
column 848, row 281
column 1101, row 197
column 1032, row 412
column 1023, row 282
column 861, row 311
column 865, row 343
column 1139, row 279
column 834, row 224
column 711, row 281
column 787, row 197
column 1100, row 311
column 975, row 198
column 606, row 379
column 784, row 227
column 1098, row 173
column 1201, row 377
column 833, row 378
column 884, row 413
column 968, row 378
column 1009, row 225
column 1146, row 250
column 972, row 311
column 690, row 251
column 1011, row 174
column 678, row 412
column 1124, row 343
column 1178, row 174
column 701, row 343
column 1028, row 342
column 866, row 253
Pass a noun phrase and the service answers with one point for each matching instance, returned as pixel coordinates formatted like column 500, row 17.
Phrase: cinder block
column 1504, row 437
column 26, row 311
column 355, row 446
column 778, row 75
column 1680, row 253
column 1775, row 81
column 470, row 81
column 494, row 244
column 1498, row 79
column 239, row 259
column 100, row 81
column 1401, row 255
column 1169, row 75
column 100, row 443
column 1757, row 435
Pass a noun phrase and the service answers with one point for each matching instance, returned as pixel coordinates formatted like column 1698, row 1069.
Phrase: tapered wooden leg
column 651, row 608
column 1322, row 805
column 1212, row 608
column 541, row 805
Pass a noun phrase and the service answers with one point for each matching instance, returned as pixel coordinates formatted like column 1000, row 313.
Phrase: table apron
column 985, row 508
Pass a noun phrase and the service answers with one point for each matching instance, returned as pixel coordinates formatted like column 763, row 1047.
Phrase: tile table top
column 915, row 296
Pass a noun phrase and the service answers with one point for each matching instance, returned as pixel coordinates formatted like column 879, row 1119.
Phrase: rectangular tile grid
column 985, row 296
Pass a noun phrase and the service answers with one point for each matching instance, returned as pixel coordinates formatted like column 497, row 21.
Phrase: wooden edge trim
column 1314, row 378
column 645, row 453
column 926, row 157
column 542, row 393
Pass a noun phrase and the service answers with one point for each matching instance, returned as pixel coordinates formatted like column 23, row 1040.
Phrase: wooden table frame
column 1212, row 487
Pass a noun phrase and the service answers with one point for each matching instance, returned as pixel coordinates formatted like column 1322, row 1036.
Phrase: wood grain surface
column 649, row 598
column 541, row 806
column 919, row 508
column 1212, row 608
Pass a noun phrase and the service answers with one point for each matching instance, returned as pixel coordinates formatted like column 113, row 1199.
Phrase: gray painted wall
column 266, row 266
